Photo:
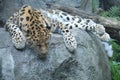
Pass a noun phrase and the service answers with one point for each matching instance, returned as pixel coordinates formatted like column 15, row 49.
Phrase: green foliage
column 116, row 54
column 104, row 13
column 112, row 12
column 116, row 47
column 115, row 69
column 115, row 61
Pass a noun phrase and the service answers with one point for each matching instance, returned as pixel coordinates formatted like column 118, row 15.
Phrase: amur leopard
column 33, row 27
column 30, row 26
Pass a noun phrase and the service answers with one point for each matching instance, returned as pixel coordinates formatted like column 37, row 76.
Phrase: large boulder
column 89, row 62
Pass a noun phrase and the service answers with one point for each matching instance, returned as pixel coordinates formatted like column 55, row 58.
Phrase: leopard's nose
column 43, row 52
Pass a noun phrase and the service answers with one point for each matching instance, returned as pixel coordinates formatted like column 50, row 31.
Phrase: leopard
column 33, row 27
column 29, row 26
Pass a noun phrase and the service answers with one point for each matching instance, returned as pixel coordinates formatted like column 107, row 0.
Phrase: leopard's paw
column 70, row 43
column 99, row 29
column 105, row 37
column 19, row 44
column 18, row 39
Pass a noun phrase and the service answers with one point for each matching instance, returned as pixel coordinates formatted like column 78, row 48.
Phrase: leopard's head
column 42, row 46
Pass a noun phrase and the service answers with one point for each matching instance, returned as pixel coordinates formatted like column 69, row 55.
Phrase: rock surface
column 89, row 62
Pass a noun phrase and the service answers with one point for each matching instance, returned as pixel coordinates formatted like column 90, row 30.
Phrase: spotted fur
column 30, row 26
column 75, row 22
column 34, row 27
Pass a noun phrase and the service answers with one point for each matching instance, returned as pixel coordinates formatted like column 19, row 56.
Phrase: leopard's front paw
column 70, row 43
column 19, row 40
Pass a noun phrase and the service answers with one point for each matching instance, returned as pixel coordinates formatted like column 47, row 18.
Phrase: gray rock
column 89, row 62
